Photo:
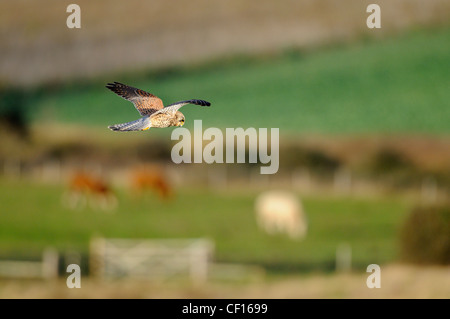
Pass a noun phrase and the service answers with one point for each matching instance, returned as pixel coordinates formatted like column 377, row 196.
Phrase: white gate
column 152, row 259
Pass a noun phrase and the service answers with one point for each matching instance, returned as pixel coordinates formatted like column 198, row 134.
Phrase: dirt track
column 397, row 281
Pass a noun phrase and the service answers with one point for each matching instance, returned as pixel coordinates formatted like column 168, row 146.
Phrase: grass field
column 397, row 85
column 33, row 218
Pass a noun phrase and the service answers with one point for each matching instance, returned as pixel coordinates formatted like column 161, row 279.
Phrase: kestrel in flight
column 151, row 108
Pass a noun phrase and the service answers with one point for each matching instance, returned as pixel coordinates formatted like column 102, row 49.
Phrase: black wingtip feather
column 114, row 85
column 201, row 102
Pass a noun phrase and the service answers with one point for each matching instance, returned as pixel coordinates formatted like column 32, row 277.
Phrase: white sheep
column 281, row 212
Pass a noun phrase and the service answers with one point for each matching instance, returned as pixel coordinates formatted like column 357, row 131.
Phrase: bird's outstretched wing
column 146, row 103
column 172, row 108
column 141, row 124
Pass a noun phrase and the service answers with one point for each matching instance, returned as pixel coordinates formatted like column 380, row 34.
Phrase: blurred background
column 364, row 178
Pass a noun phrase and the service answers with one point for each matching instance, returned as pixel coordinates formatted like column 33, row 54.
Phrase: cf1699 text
column 240, row 308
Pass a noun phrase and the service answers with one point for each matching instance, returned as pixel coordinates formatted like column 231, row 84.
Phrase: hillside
column 397, row 85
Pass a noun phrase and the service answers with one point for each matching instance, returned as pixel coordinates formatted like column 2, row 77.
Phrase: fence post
column 342, row 181
column 199, row 260
column 50, row 263
column 343, row 258
column 12, row 168
column 429, row 190
column 96, row 257
column 301, row 179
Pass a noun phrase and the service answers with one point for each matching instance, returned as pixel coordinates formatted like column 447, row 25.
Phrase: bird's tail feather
column 138, row 125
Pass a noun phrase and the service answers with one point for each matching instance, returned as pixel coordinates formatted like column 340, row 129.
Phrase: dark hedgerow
column 425, row 236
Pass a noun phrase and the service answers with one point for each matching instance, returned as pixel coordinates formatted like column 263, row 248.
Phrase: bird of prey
column 151, row 108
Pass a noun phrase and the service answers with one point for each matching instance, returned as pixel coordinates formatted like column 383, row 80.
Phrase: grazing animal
column 151, row 108
column 281, row 212
column 84, row 188
column 143, row 179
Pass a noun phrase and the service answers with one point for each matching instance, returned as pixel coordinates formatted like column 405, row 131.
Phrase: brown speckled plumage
column 151, row 108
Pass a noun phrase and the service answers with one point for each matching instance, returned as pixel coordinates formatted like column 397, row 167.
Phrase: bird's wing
column 146, row 103
column 139, row 125
column 172, row 108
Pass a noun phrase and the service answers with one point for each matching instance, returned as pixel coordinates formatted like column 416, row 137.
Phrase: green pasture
column 32, row 218
column 391, row 85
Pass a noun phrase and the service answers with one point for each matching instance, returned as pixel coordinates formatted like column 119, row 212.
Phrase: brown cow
column 84, row 188
column 150, row 178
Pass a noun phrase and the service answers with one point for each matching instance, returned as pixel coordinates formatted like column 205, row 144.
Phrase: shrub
column 425, row 236
column 317, row 161
column 13, row 112
column 393, row 168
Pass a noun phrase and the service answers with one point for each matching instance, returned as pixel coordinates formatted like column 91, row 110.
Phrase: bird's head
column 179, row 119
